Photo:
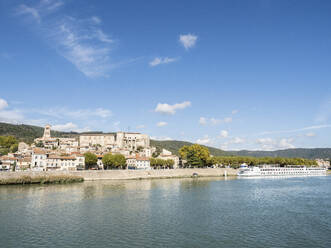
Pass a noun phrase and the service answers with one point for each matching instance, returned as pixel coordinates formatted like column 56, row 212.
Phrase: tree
column 195, row 155
column 117, row 161
column 170, row 163
column 157, row 152
column 40, row 144
column 90, row 159
column 14, row 148
column 107, row 160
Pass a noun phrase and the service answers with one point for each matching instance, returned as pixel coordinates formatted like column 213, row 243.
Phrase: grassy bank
column 41, row 179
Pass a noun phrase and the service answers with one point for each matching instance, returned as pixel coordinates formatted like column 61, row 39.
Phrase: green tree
column 119, row 161
column 90, row 159
column 107, row 161
column 14, row 148
column 195, row 155
column 116, row 161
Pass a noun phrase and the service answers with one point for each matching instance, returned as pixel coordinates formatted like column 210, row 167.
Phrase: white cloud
column 159, row 60
column 213, row 121
column 80, row 41
column 102, row 36
column 237, row 140
column 140, row 126
column 188, row 40
column 96, row 19
column 224, row 133
column 286, row 143
column 161, row 124
column 116, row 123
column 3, row 104
column 297, row 130
column 75, row 44
column 165, row 108
column 9, row 115
column 161, row 138
column 271, row 144
column 227, row 119
column 311, row 134
column 65, row 127
column 43, row 8
column 235, row 111
column 63, row 112
column 23, row 9
column 52, row 5
column 205, row 140
column 202, row 121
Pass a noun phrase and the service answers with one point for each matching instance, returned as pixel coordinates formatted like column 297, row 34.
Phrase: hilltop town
column 49, row 153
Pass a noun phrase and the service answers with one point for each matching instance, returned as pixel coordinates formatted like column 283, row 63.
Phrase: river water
column 270, row 212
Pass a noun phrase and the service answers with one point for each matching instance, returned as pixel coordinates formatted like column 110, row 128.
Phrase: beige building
column 165, row 154
column 119, row 140
column 52, row 142
column 43, row 160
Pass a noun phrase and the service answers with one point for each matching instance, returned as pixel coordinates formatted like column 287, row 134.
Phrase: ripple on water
column 288, row 212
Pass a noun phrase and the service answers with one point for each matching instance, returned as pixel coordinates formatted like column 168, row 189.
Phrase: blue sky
column 230, row 74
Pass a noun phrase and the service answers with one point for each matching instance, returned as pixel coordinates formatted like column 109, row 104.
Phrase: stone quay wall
column 128, row 174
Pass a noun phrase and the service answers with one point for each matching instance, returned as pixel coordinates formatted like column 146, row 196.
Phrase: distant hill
column 310, row 153
column 28, row 133
column 175, row 145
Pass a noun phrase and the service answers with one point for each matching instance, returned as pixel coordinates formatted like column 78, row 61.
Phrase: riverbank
column 66, row 176
column 9, row 178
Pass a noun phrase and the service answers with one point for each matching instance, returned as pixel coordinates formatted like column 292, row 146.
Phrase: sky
column 229, row 74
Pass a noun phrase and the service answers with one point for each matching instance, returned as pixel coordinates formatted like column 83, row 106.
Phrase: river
column 265, row 212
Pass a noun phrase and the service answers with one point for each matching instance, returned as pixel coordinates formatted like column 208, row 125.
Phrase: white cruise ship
column 251, row 171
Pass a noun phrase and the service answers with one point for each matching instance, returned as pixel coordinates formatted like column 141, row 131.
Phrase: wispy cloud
column 24, row 9
column 159, row 60
column 296, row 130
column 3, row 104
column 188, row 40
column 161, row 138
column 166, row 108
column 310, row 134
column 9, row 115
column 65, row 127
column 204, row 141
column 39, row 10
column 140, row 126
column 203, row 121
column 214, row 121
column 64, row 112
column 84, row 45
column 161, row 124
column 272, row 144
column 224, row 134
column 81, row 41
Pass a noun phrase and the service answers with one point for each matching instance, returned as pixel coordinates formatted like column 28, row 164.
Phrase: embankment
column 146, row 174
column 7, row 178
column 28, row 177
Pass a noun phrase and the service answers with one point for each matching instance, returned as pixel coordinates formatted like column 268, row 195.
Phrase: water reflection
column 200, row 212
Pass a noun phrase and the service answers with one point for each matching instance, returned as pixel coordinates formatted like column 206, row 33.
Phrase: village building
column 165, row 154
column 138, row 163
column 7, row 162
column 119, row 140
column 49, row 142
column 43, row 160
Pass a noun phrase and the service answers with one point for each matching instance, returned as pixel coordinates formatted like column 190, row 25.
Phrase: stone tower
column 47, row 132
